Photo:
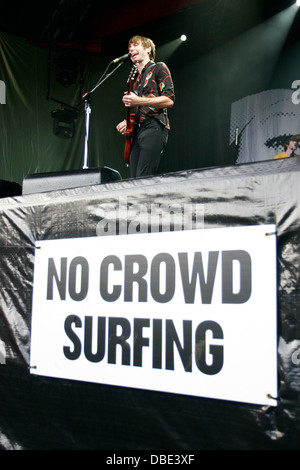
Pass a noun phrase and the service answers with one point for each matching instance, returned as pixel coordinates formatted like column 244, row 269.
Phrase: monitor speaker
column 9, row 189
column 44, row 182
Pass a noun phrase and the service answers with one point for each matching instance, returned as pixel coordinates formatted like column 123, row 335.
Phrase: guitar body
column 130, row 121
column 128, row 138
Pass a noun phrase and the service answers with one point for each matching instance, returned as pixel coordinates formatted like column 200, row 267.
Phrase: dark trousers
column 149, row 141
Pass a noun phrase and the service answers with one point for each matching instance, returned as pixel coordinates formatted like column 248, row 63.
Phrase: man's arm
column 153, row 102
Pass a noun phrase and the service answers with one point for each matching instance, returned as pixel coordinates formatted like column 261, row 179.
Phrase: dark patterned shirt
column 155, row 80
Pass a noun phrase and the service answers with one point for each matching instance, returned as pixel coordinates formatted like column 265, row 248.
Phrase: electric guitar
column 130, row 120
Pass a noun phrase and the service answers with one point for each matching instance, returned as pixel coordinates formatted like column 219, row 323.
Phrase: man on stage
column 152, row 94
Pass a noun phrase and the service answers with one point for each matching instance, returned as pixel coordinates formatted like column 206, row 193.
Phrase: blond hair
column 146, row 42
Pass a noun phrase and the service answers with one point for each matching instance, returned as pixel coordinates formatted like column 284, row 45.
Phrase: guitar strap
column 146, row 71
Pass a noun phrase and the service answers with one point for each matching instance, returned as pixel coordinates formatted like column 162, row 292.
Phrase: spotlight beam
column 167, row 50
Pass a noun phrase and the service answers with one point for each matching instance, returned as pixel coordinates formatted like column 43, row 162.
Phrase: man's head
column 292, row 142
column 146, row 43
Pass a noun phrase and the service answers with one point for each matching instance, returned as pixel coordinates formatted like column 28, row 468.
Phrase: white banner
column 190, row 312
column 261, row 123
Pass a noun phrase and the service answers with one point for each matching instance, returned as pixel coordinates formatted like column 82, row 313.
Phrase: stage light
column 166, row 50
column 298, row 3
column 66, row 69
column 63, row 122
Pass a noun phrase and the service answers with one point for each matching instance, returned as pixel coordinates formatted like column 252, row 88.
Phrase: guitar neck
column 128, row 109
column 133, row 71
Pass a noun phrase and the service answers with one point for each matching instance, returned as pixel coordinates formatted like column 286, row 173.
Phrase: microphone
column 123, row 57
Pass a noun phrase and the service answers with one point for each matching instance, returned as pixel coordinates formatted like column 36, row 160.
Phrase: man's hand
column 122, row 126
column 130, row 99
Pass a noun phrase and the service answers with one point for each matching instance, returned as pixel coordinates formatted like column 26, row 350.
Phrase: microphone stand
column 87, row 100
column 88, row 111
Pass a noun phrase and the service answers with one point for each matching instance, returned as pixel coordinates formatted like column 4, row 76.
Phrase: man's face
column 293, row 144
column 138, row 53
